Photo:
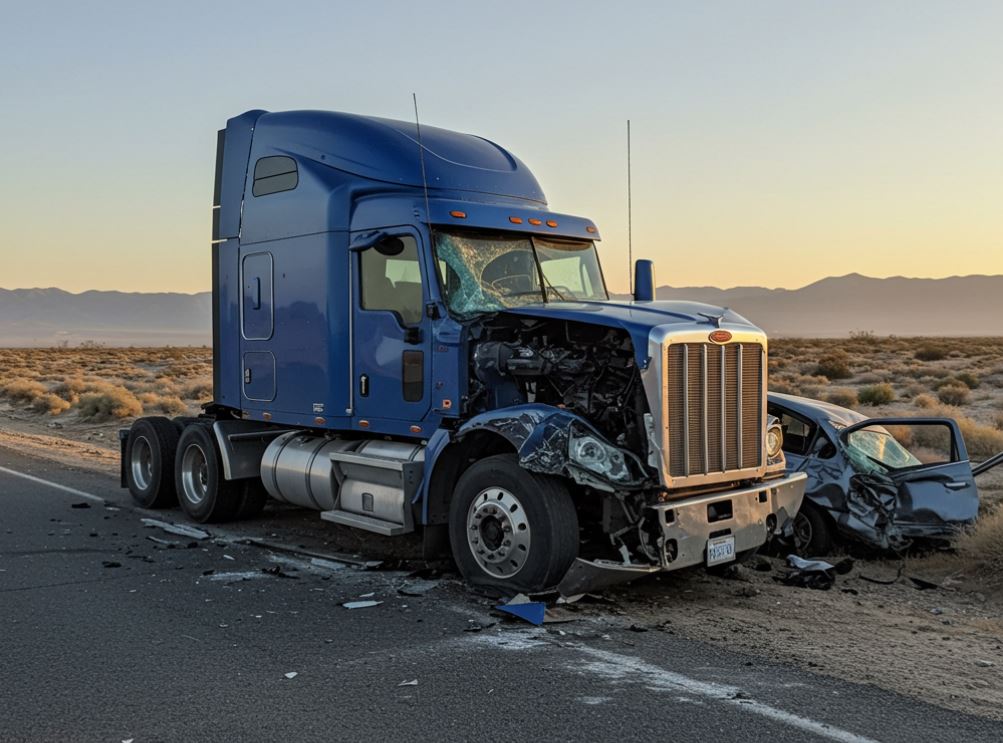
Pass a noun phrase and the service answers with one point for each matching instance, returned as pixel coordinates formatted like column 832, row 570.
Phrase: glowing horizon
column 773, row 145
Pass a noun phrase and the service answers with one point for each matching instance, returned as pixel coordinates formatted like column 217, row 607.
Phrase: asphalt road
column 109, row 635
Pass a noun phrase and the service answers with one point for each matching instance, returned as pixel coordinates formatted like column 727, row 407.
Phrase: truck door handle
column 256, row 304
column 957, row 484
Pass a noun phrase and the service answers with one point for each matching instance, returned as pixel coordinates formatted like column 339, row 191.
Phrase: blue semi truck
column 406, row 339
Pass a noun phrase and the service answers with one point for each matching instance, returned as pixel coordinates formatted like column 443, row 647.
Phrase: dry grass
column 957, row 377
column 101, row 384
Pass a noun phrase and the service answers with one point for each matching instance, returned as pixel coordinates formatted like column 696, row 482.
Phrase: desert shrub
column 983, row 544
column 783, row 386
column 165, row 404
column 843, row 397
column 953, row 394
column 24, row 390
column 835, row 365
column 930, row 353
column 870, row 378
column 51, row 404
column 113, row 402
column 913, row 390
column 981, row 440
column 876, row 394
column 70, row 389
column 968, row 379
column 200, row 389
column 924, row 401
column 998, row 421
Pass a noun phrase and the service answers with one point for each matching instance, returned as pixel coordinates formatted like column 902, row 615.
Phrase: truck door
column 257, row 326
column 391, row 334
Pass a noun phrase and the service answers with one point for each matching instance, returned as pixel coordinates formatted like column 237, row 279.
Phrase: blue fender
column 539, row 434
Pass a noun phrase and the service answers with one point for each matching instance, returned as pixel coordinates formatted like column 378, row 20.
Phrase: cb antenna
column 630, row 243
column 421, row 157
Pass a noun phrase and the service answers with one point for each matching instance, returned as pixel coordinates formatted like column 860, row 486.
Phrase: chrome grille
column 714, row 399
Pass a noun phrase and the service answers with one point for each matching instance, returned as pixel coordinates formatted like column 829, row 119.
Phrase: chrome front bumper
column 750, row 514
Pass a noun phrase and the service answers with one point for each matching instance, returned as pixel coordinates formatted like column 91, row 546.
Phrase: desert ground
column 876, row 626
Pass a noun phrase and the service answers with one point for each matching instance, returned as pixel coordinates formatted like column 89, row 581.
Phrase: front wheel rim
column 498, row 532
column 194, row 474
column 802, row 531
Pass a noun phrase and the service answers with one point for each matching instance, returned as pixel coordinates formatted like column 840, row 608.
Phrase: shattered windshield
column 880, row 447
column 486, row 273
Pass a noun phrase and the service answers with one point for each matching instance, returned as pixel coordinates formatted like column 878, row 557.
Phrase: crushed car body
column 885, row 482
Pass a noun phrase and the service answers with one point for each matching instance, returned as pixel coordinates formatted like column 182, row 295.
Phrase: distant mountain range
column 837, row 306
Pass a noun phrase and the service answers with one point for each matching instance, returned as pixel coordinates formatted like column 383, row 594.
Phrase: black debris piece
column 82, row 504
column 111, row 564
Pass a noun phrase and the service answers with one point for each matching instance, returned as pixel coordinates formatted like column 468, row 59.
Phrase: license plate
column 720, row 549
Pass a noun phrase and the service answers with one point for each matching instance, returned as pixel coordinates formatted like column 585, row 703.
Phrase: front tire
column 813, row 535
column 198, row 476
column 511, row 528
column 149, row 459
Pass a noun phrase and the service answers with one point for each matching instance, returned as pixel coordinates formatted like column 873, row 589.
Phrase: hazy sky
column 775, row 143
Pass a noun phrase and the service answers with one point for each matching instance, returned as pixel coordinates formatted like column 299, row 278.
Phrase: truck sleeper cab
column 408, row 348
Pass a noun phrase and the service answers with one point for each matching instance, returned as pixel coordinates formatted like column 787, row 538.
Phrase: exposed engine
column 589, row 370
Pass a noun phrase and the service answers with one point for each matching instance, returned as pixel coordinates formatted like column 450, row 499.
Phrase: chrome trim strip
column 686, row 410
column 703, row 406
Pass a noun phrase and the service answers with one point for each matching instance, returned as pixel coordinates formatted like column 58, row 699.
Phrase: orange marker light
column 534, row 220
column 590, row 229
column 447, row 404
column 319, row 421
column 515, row 220
column 363, row 424
column 415, row 429
column 458, row 214
column 266, row 416
column 551, row 223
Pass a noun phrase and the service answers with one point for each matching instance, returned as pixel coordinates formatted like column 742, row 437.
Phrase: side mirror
column 644, row 280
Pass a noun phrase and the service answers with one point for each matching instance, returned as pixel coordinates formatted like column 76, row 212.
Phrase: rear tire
column 813, row 536
column 149, row 462
column 198, row 477
column 511, row 528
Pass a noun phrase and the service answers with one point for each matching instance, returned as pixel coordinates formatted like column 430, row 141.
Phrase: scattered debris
column 165, row 542
column 984, row 663
column 179, row 529
column 417, row 587
column 111, row 564
column 229, row 557
column 520, row 606
column 82, row 504
column 412, row 682
column 361, row 604
column 922, row 584
column 817, row 574
column 882, row 581
column 291, row 675
column 342, row 559
column 319, row 562
column 278, row 572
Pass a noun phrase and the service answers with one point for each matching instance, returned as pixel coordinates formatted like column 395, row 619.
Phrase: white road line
column 56, row 485
column 617, row 667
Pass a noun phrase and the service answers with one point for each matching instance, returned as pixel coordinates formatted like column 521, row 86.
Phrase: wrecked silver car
column 885, row 482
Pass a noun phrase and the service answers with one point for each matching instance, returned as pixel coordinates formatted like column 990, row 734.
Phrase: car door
column 391, row 334
column 926, row 460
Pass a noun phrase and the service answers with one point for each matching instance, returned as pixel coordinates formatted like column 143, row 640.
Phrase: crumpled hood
column 638, row 318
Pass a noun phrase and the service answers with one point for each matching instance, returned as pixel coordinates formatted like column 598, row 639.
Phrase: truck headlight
column 599, row 457
column 774, row 441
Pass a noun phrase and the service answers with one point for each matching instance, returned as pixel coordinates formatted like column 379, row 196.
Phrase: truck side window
column 274, row 174
column 391, row 280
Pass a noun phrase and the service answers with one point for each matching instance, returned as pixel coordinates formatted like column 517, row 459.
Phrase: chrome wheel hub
column 142, row 462
column 498, row 532
column 194, row 474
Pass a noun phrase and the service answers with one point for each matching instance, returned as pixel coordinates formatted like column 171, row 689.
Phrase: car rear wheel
column 511, row 528
column 198, row 475
column 812, row 532
column 149, row 460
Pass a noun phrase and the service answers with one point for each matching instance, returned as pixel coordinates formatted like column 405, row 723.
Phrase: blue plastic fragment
column 531, row 611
